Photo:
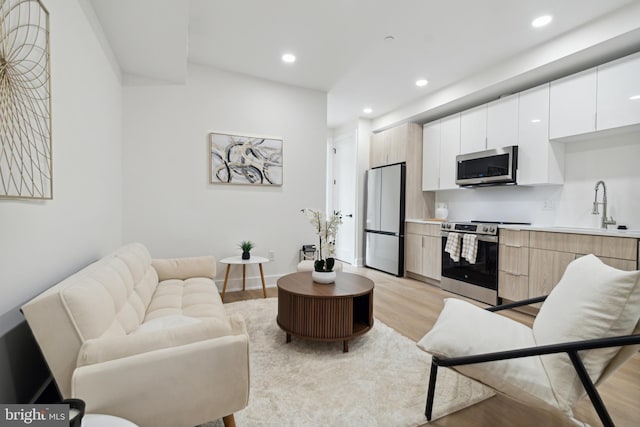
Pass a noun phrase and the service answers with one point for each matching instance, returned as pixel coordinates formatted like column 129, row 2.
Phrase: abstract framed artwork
column 244, row 160
column 25, row 101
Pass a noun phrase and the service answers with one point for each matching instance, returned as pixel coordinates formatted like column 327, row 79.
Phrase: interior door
column 344, row 194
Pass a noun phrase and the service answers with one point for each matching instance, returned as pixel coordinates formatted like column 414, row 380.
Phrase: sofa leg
column 229, row 421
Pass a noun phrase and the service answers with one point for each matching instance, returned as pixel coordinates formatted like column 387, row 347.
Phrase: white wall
column 169, row 204
column 613, row 159
column 44, row 241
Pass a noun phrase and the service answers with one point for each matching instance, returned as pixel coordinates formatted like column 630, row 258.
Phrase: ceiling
column 340, row 45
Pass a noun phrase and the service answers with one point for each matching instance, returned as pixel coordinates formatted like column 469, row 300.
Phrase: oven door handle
column 480, row 237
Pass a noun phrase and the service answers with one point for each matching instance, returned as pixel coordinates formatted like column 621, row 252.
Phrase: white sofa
column 146, row 340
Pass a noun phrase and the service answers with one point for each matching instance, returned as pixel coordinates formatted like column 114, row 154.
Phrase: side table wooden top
column 345, row 285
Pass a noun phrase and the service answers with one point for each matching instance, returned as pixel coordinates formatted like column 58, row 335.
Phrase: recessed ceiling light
column 535, row 120
column 422, row 82
column 289, row 58
column 634, row 97
column 367, row 110
column 541, row 21
column 389, row 38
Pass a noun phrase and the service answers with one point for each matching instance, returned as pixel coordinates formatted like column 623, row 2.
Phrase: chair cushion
column 592, row 300
column 463, row 329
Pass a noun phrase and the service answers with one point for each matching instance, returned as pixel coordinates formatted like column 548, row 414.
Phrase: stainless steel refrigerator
column 384, row 226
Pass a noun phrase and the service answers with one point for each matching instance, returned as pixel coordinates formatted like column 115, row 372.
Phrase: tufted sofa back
column 108, row 298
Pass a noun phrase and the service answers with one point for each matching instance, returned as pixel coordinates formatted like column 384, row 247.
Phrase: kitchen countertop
column 575, row 230
column 425, row 221
column 634, row 234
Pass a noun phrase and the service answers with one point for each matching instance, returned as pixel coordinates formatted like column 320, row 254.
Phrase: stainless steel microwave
column 489, row 167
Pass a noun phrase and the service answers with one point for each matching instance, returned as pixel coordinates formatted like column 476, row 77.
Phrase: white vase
column 323, row 276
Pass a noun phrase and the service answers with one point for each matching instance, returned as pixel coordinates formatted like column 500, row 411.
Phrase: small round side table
column 237, row 260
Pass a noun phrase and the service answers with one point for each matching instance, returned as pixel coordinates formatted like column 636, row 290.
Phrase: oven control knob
column 485, row 229
column 492, row 229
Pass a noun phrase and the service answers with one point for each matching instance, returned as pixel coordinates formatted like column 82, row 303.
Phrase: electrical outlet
column 272, row 255
column 549, row 205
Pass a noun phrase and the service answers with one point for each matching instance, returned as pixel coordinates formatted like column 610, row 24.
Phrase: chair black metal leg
column 432, row 389
column 596, row 400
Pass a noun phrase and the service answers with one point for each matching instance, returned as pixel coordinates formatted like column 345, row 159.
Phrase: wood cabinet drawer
column 423, row 229
column 605, row 246
column 514, row 287
column 514, row 260
column 514, row 238
column 621, row 264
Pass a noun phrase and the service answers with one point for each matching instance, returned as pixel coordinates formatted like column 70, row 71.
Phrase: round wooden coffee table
column 338, row 311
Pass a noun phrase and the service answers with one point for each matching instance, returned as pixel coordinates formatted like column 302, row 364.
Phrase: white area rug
column 381, row 381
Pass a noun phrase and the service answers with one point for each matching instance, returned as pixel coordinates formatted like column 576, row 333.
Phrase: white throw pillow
column 166, row 322
column 592, row 300
column 463, row 329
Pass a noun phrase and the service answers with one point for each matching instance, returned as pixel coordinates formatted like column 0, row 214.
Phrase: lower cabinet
column 531, row 263
column 423, row 250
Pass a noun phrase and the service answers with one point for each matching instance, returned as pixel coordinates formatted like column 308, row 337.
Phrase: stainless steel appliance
column 489, row 167
column 384, row 226
column 478, row 280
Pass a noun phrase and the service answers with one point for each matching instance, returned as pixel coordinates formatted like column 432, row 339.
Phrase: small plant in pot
column 326, row 228
column 246, row 247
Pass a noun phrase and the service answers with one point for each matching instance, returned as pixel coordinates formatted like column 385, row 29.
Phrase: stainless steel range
column 462, row 273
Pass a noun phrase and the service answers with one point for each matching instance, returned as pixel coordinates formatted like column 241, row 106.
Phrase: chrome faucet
column 605, row 221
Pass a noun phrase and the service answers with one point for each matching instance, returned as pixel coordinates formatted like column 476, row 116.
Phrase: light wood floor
column 411, row 308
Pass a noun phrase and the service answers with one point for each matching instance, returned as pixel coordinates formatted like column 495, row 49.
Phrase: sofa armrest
column 111, row 348
column 180, row 386
column 185, row 268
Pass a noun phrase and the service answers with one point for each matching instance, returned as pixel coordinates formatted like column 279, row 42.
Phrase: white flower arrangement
column 326, row 228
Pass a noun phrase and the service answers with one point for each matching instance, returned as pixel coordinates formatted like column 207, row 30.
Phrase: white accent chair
column 587, row 327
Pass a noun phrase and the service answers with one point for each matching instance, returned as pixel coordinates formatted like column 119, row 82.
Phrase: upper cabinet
column 540, row 161
column 602, row 98
column 492, row 125
column 473, row 129
column 619, row 93
column 502, row 122
column 389, row 146
column 573, row 105
column 441, row 145
column 431, row 156
column 449, row 149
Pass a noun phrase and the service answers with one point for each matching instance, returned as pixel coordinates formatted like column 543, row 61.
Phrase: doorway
column 344, row 194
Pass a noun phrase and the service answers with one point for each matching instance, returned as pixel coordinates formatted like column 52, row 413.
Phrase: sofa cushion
column 463, row 329
column 592, row 300
column 196, row 297
column 166, row 322
column 117, row 347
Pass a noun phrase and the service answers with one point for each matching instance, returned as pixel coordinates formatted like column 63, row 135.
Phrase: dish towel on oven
column 470, row 247
column 453, row 246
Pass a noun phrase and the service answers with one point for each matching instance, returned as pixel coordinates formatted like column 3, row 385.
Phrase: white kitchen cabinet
column 540, row 161
column 449, row 149
column 431, row 156
column 573, row 105
column 502, row 122
column 618, row 99
column 473, row 130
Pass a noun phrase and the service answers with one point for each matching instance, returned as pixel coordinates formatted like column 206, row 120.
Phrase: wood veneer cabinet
column 423, row 251
column 513, row 268
column 403, row 143
column 531, row 263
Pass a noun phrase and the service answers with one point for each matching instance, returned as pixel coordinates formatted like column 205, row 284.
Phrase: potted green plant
column 246, row 246
column 326, row 228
